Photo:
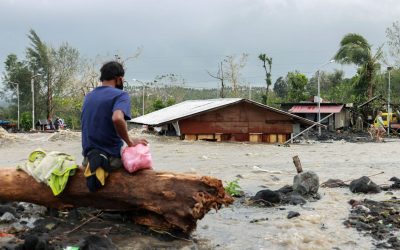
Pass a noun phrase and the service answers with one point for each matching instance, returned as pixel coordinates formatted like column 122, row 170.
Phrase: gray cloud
column 188, row 37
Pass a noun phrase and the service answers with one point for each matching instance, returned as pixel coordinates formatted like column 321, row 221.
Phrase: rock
column 267, row 195
column 296, row 199
column 334, row 183
column 396, row 183
column 362, row 226
column 316, row 196
column 34, row 242
column 7, row 208
column 7, row 218
column 364, row 185
column 95, row 242
column 285, row 189
column 395, row 179
column 306, row 183
column 292, row 214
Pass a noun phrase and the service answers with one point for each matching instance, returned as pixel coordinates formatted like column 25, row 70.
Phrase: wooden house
column 227, row 119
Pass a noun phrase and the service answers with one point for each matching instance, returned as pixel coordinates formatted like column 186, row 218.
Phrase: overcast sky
column 188, row 37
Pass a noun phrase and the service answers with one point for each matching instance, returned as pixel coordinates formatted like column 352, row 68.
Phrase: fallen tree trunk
column 165, row 201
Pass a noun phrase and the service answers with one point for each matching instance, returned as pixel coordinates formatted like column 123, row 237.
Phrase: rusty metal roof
column 194, row 107
column 312, row 109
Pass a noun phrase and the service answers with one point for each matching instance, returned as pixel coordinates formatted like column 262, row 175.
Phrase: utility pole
column 388, row 105
column 319, row 104
column 249, row 91
column 18, row 105
column 33, row 100
column 143, row 99
column 222, row 95
column 319, row 96
column 33, row 103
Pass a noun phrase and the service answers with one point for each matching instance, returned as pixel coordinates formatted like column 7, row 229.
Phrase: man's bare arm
column 122, row 129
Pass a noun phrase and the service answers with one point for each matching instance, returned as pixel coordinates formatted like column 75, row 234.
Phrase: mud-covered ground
column 256, row 166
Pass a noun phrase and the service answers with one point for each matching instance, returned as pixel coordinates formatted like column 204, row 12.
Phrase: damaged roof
column 311, row 109
column 195, row 107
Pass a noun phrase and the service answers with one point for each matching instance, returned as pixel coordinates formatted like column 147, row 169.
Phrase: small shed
column 225, row 119
column 341, row 113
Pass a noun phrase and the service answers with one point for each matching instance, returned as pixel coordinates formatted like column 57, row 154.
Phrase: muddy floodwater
column 257, row 167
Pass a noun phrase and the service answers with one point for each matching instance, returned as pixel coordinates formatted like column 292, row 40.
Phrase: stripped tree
column 219, row 76
column 266, row 60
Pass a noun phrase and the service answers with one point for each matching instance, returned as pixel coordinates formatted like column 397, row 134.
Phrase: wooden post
column 297, row 164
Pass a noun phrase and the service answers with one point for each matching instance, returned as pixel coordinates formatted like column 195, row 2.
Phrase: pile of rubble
column 380, row 219
column 6, row 138
column 65, row 135
column 28, row 226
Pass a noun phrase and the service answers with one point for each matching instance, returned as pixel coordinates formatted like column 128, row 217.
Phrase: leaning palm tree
column 354, row 49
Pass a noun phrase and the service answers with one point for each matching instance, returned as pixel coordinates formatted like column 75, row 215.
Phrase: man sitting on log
column 104, row 114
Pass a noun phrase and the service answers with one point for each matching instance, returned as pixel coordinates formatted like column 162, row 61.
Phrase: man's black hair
column 111, row 70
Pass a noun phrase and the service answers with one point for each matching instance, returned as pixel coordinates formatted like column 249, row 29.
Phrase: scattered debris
column 343, row 136
column 6, row 138
column 95, row 242
column 258, row 220
column 258, row 169
column 364, row 185
column 334, row 183
column 73, row 229
column 65, row 135
column 378, row 219
column 7, row 217
column 292, row 214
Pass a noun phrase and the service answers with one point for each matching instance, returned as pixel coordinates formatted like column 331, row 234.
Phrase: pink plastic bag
column 137, row 158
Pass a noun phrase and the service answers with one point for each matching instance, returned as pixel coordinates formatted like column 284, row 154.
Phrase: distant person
column 104, row 114
column 57, row 123
column 50, row 125
column 62, row 123
column 380, row 126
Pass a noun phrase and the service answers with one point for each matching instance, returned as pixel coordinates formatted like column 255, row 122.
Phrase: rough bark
column 166, row 201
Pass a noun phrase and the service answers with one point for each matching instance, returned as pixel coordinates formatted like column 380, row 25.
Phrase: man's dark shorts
column 115, row 163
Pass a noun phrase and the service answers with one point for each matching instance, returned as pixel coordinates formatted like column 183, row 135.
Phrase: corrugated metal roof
column 193, row 107
column 181, row 110
column 303, row 109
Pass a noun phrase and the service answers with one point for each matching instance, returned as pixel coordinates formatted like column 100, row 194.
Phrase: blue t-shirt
column 98, row 131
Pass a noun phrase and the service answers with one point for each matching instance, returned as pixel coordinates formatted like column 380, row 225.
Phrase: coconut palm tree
column 354, row 49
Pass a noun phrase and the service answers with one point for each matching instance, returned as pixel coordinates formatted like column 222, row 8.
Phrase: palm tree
column 354, row 49
column 265, row 59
